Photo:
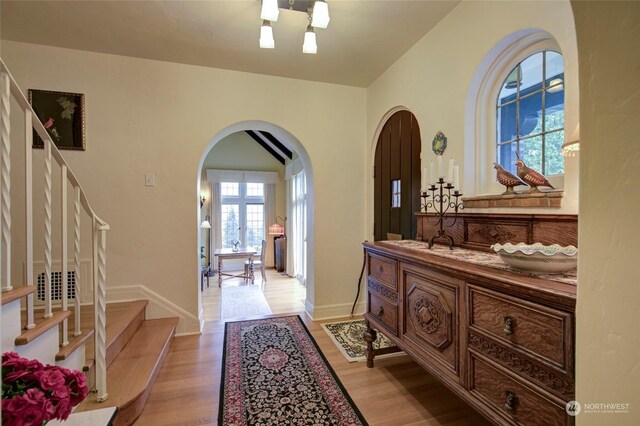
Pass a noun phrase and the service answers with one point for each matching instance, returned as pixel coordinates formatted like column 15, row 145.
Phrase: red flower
column 9, row 355
column 29, row 409
column 62, row 406
column 33, row 393
column 51, row 380
column 77, row 383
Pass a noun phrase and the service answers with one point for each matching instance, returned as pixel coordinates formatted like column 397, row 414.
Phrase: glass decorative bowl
column 538, row 258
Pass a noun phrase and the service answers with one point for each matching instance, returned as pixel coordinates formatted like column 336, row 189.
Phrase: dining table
column 239, row 253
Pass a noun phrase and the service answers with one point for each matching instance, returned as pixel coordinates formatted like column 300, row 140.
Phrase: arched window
column 530, row 114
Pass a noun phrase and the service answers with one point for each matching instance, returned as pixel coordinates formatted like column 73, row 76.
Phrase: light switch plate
column 149, row 179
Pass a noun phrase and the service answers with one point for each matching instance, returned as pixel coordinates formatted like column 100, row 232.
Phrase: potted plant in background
column 33, row 393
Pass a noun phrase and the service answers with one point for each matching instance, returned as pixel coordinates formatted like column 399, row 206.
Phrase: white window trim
column 242, row 200
column 485, row 108
column 240, row 176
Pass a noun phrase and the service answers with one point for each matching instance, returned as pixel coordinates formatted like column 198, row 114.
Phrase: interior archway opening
column 255, row 216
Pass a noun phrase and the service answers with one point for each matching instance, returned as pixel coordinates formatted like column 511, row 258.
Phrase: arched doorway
column 397, row 177
column 292, row 143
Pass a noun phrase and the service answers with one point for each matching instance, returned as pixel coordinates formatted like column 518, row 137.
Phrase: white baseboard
column 158, row 307
column 201, row 316
column 341, row 310
column 308, row 308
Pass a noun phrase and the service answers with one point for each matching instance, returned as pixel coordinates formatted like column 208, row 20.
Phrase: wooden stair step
column 17, row 293
column 133, row 373
column 42, row 325
column 120, row 331
column 123, row 319
column 74, row 343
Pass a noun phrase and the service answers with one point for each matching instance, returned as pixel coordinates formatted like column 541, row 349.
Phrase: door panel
column 397, row 158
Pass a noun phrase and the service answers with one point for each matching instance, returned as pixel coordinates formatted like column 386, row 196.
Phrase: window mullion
column 544, row 97
column 243, row 213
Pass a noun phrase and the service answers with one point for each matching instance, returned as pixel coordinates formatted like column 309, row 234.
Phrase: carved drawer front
column 384, row 270
column 384, row 312
column 485, row 232
column 430, row 318
column 511, row 399
column 541, row 331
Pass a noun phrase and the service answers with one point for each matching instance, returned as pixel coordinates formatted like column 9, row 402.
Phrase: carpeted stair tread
column 131, row 376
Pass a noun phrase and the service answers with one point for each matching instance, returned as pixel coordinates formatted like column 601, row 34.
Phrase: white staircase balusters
column 47, row 229
column 8, row 88
column 100, row 303
column 28, row 176
column 76, row 260
column 5, row 183
column 65, row 264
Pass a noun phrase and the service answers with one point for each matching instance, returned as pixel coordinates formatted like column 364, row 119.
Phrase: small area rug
column 347, row 336
column 244, row 301
column 273, row 373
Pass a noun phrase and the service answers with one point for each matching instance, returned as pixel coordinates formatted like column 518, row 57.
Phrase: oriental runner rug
column 273, row 373
column 347, row 336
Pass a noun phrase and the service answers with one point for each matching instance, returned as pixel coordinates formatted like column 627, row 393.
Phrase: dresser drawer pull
column 380, row 311
column 509, row 324
column 511, row 401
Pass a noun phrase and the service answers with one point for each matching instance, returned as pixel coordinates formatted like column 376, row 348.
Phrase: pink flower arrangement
column 33, row 394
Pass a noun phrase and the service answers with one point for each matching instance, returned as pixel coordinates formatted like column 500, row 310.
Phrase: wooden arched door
column 397, row 177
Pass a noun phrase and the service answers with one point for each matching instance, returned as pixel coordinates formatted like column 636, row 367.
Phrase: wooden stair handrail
column 55, row 152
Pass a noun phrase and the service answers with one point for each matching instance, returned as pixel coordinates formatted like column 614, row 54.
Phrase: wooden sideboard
column 477, row 231
column 502, row 341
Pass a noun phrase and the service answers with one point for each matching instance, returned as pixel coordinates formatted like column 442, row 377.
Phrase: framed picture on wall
column 62, row 114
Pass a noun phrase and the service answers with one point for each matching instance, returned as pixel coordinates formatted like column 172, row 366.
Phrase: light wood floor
column 396, row 392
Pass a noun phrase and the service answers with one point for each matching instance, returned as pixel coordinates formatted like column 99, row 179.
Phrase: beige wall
column 608, row 341
column 151, row 116
column 239, row 151
column 433, row 78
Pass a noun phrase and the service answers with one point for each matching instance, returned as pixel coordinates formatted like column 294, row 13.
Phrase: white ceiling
column 363, row 39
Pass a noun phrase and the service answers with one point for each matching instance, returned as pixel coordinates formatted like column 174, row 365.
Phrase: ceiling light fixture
column 317, row 12
column 269, row 10
column 266, row 36
column 320, row 14
column 310, row 45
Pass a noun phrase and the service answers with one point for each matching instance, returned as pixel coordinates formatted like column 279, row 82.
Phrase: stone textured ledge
column 552, row 199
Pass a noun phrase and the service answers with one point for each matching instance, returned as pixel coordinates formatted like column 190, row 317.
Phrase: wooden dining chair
column 257, row 264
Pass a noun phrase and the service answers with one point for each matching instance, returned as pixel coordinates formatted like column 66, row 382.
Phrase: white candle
column 432, row 178
column 456, row 176
column 450, row 171
column 423, row 184
column 440, row 167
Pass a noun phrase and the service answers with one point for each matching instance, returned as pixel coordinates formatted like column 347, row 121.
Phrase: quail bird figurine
column 507, row 179
column 531, row 177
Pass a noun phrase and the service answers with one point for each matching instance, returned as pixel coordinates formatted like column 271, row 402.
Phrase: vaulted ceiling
column 363, row 39
column 271, row 144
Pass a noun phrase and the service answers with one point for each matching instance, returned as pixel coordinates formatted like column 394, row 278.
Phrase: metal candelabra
column 441, row 200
